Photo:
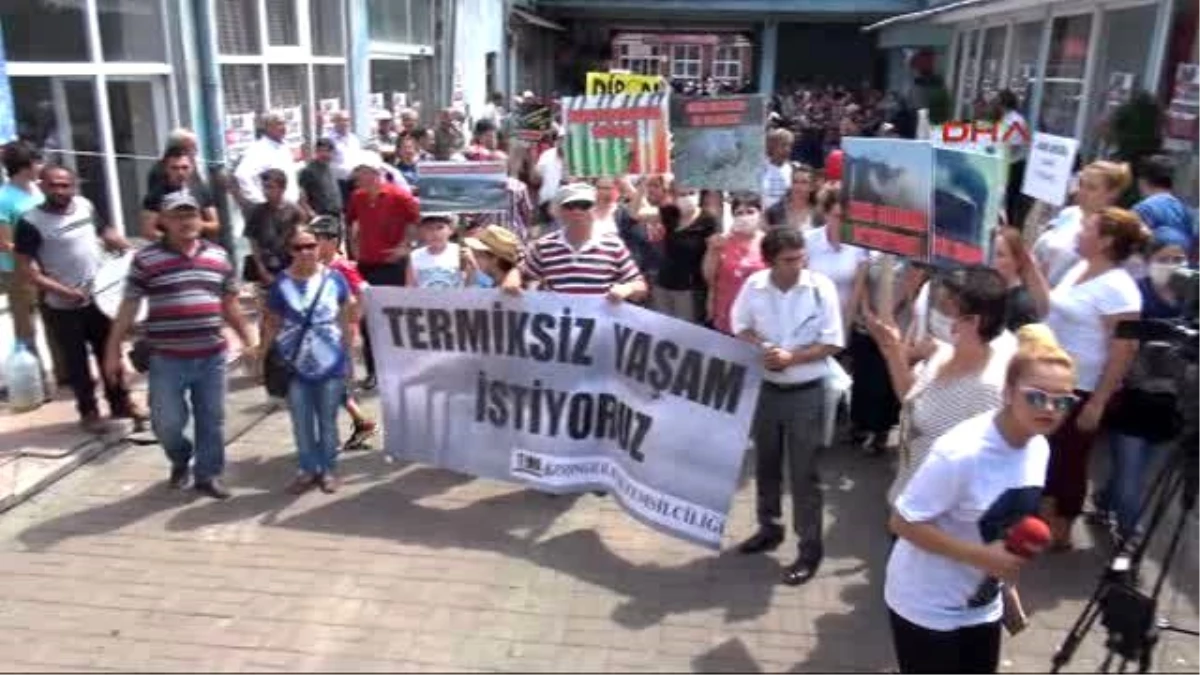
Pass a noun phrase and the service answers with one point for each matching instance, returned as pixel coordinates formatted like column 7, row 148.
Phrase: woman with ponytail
column 946, row 575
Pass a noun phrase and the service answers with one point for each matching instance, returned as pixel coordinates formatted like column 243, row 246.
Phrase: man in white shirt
column 346, row 151
column 793, row 315
column 777, row 175
column 549, row 174
column 268, row 152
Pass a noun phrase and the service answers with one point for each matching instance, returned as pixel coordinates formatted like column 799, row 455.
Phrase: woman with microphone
column 944, row 577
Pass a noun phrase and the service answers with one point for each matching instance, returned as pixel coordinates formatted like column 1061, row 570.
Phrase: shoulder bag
column 278, row 369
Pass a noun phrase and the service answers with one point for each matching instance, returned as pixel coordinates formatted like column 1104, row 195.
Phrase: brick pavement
column 415, row 569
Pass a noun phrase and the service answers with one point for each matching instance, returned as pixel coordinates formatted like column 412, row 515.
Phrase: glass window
column 330, row 82
column 1121, row 63
column 991, row 61
column 727, row 63
column 326, row 18
column 283, row 26
column 390, row 75
column 970, row 72
column 421, row 15
column 132, row 30
column 685, row 62
column 45, row 30
column 237, row 27
column 1064, row 74
column 60, row 115
column 1023, row 62
column 242, row 87
column 131, row 107
column 387, row 20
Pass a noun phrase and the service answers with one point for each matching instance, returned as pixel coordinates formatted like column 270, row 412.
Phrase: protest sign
column 967, row 190
column 1184, row 109
column 327, row 107
column 599, row 84
column 239, row 132
column 463, row 187
column 718, row 143
column 568, row 394
column 377, row 105
column 887, row 192
column 532, row 119
column 1048, row 171
column 616, row 135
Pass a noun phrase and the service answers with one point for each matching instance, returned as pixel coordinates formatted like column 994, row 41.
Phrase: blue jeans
column 314, row 409
column 173, row 381
column 1131, row 460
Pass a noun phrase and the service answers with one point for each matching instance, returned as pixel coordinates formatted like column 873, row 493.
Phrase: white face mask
column 1160, row 273
column 745, row 224
column 941, row 327
column 688, row 204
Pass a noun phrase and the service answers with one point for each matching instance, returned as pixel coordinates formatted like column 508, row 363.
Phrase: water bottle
column 24, row 377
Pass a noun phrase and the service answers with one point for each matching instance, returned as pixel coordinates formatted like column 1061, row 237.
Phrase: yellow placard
column 622, row 83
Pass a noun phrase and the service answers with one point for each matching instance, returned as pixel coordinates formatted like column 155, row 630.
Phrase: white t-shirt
column 438, row 270
column 1055, row 250
column 1077, row 314
column 839, row 264
column 776, row 181
column 974, row 486
column 550, row 168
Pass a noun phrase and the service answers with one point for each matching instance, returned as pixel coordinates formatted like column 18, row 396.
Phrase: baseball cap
column 444, row 216
column 326, row 225
column 180, row 200
column 576, row 193
column 497, row 241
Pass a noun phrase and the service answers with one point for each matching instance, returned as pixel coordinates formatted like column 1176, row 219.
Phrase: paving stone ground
column 410, row 568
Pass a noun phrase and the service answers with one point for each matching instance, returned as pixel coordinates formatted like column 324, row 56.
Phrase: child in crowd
column 328, row 231
column 437, row 264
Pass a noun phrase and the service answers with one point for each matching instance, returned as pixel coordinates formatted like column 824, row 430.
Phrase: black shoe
column 368, row 383
column 360, row 433
column 179, row 477
column 212, row 487
column 768, row 538
column 801, row 571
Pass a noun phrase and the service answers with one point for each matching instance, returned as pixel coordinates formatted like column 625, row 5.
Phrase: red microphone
column 1028, row 537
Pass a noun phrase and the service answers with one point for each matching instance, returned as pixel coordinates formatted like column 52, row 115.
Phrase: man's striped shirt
column 589, row 270
column 185, row 294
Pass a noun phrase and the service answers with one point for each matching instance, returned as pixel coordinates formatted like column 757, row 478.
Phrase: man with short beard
column 58, row 247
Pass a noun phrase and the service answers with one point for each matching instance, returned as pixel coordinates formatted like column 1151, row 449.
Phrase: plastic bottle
column 24, row 378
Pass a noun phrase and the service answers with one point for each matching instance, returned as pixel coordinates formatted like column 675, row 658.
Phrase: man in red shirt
column 380, row 215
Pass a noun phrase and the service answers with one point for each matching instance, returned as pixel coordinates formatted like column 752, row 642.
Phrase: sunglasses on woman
column 1044, row 400
column 304, row 247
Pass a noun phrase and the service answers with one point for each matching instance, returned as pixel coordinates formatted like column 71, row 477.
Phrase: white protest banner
column 328, row 106
column 1048, row 171
column 568, row 394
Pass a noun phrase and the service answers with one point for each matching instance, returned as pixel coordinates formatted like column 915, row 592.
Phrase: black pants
column 378, row 275
column 873, row 404
column 783, row 431
column 1016, row 204
column 973, row 649
column 75, row 330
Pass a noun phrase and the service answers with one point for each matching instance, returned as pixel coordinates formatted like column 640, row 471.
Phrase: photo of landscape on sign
column 718, row 142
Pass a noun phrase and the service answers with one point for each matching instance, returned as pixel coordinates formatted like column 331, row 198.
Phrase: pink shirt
column 739, row 259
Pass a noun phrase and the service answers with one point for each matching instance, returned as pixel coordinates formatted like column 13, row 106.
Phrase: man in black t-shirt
column 269, row 225
column 319, row 190
column 179, row 176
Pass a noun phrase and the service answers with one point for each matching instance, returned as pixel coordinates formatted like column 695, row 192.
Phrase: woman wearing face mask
column 1101, row 185
column 1084, row 309
column 731, row 258
column 680, row 289
column 963, row 377
column 1143, row 415
column 797, row 209
column 949, row 569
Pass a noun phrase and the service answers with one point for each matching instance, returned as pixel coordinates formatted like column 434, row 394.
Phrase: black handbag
column 278, row 369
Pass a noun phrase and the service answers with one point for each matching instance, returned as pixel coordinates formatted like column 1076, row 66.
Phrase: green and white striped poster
column 616, row 134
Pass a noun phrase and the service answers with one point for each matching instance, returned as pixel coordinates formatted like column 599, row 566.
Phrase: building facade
column 727, row 57
column 99, row 84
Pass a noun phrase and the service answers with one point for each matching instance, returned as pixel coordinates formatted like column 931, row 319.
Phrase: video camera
column 1181, row 334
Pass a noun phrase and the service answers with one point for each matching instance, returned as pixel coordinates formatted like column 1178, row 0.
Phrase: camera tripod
column 1129, row 614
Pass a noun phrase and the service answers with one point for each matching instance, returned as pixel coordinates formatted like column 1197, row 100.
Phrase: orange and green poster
column 615, row 135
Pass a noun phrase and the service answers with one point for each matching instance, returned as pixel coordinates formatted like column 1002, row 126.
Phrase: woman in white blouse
column 844, row 264
column 1101, row 185
column 1083, row 310
column 965, row 375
